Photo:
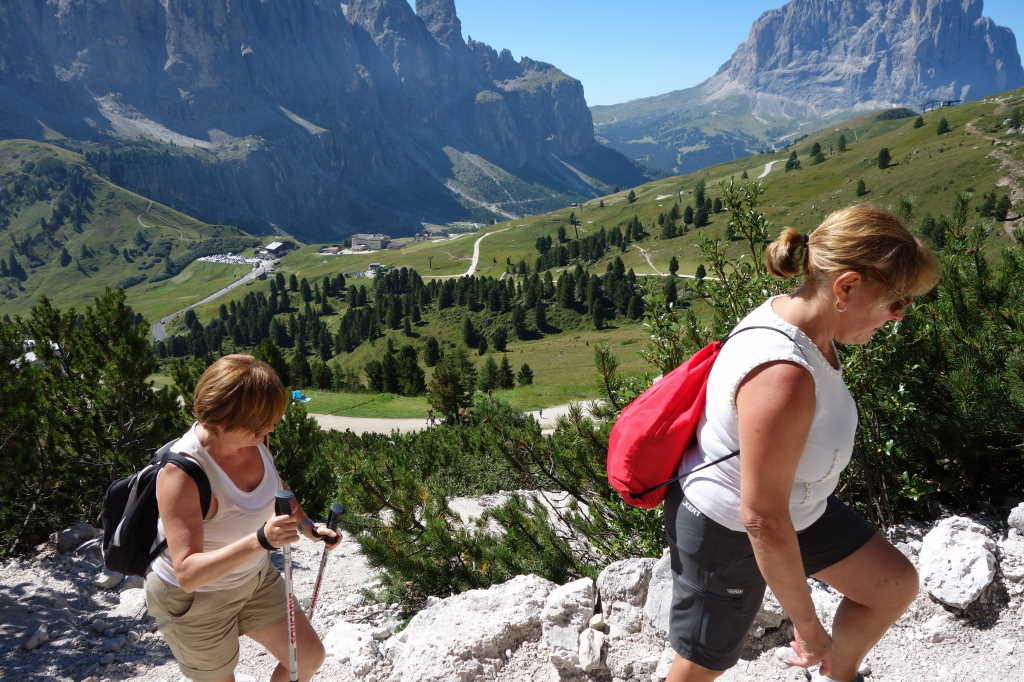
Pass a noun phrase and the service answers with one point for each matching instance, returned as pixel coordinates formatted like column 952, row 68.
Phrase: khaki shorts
column 202, row 628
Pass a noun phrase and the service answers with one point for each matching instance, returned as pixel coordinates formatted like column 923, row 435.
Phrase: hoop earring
column 838, row 309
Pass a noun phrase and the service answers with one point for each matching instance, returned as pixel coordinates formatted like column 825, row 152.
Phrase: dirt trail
column 1014, row 169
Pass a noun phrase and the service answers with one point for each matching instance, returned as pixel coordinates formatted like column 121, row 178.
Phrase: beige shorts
column 202, row 628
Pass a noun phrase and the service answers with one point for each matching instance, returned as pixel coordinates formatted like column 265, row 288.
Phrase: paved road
column 157, row 329
column 360, row 425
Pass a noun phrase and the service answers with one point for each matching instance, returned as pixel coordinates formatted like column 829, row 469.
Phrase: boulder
column 354, row 645
column 107, row 579
column 658, row 604
column 957, row 561
column 131, row 605
column 592, row 650
column 465, row 637
column 1016, row 518
column 70, row 538
column 38, row 638
column 769, row 616
column 1011, row 562
column 566, row 614
column 622, row 586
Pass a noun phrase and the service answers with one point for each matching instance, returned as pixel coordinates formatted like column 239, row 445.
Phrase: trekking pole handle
column 337, row 509
column 283, row 502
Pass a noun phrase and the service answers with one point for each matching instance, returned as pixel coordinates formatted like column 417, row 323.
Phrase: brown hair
column 862, row 238
column 239, row 391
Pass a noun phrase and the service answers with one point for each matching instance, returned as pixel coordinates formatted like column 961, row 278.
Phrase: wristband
column 261, row 536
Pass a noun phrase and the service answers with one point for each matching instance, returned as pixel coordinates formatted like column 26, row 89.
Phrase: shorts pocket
column 173, row 601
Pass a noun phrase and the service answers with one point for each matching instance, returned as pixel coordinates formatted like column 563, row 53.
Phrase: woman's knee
column 311, row 654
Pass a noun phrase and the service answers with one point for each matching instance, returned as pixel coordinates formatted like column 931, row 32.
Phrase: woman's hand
column 281, row 530
column 324, row 533
column 814, row 646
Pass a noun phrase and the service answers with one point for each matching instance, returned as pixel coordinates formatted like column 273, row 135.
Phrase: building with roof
column 371, row 241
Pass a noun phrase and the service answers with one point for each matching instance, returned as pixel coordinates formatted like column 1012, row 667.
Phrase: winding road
column 767, row 168
column 473, row 263
column 157, row 329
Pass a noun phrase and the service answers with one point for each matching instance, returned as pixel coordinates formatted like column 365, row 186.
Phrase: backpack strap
column 736, row 452
column 191, row 467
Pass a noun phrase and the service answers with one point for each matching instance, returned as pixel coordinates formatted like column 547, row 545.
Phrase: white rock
column 37, row 639
column 937, row 628
column 132, row 603
column 622, row 586
column 353, row 645
column 592, row 650
column 826, row 600
column 464, row 637
column 566, row 613
column 1016, row 518
column 664, row 663
column 70, row 538
column 1005, row 646
column 597, row 622
column 1011, row 563
column 770, row 615
column 107, row 579
column 957, row 561
column 658, row 604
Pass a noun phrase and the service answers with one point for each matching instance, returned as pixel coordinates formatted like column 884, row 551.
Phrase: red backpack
column 652, row 433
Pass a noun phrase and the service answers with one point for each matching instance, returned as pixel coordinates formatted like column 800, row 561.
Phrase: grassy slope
column 113, row 219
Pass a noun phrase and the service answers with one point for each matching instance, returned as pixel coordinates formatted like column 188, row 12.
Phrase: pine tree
column 488, row 376
column 793, row 163
column 842, row 143
column 670, row 290
column 861, row 188
column 700, row 218
column 299, row 371
column 540, row 316
column 499, row 339
column 701, row 272
column 943, row 127
column 673, row 266
column 815, row 149
column 525, row 375
column 716, row 207
column 469, row 335
column 919, row 122
column 431, row 351
column 631, row 197
column 884, row 158
column 688, row 215
column 452, row 383
column 506, row 378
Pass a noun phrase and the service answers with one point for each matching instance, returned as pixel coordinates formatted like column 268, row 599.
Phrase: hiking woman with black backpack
column 215, row 581
column 768, row 515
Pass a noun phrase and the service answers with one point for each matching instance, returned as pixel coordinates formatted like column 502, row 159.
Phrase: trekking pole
column 337, row 509
column 283, row 507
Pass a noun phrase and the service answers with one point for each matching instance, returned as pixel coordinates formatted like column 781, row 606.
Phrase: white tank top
column 238, row 514
column 715, row 491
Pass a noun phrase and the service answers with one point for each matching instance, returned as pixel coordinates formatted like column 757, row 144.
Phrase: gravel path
column 546, row 417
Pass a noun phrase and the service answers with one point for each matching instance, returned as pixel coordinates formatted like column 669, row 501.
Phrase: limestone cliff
column 812, row 61
column 311, row 117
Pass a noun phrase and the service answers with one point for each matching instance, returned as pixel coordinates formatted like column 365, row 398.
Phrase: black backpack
column 130, row 513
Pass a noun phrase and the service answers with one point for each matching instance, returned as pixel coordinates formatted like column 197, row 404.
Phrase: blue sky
column 626, row 50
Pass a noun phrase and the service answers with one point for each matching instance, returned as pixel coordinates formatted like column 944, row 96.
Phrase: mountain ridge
column 812, row 62
column 315, row 118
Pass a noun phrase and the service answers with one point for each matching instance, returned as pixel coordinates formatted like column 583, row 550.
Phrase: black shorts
column 717, row 586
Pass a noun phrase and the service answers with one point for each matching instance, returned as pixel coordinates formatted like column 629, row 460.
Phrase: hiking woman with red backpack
column 215, row 582
column 768, row 515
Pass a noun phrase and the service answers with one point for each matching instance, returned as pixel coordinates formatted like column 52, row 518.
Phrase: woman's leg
column 683, row 670
column 878, row 584
column 274, row 639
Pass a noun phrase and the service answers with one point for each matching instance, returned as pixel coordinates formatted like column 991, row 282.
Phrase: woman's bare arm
column 177, row 498
column 776, row 405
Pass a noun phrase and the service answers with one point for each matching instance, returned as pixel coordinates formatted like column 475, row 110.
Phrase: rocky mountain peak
column 829, row 55
column 441, row 20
